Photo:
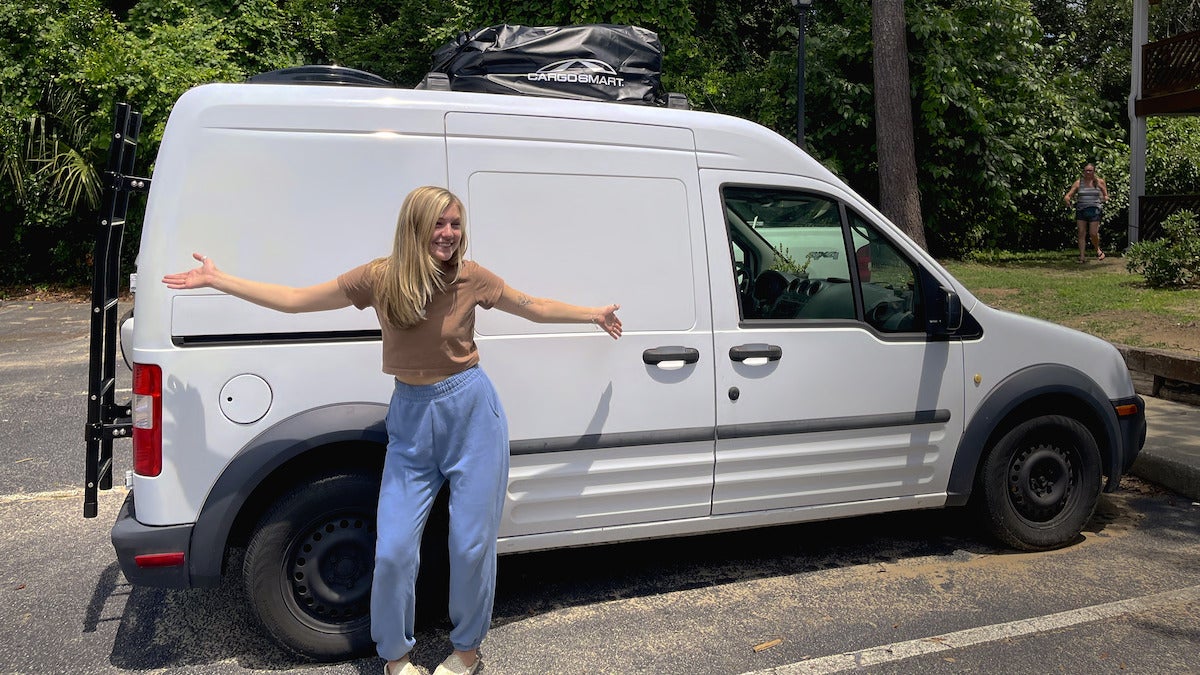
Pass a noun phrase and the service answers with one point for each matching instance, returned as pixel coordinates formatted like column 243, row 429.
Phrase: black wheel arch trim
column 1018, row 388
column 266, row 453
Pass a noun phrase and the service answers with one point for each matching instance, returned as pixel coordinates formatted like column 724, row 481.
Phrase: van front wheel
column 1040, row 483
column 309, row 564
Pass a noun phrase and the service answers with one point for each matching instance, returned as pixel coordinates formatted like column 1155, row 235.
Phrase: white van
column 848, row 374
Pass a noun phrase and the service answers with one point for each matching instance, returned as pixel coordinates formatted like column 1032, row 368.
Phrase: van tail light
column 147, row 419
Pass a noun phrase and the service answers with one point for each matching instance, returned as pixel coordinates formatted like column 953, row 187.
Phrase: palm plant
column 56, row 143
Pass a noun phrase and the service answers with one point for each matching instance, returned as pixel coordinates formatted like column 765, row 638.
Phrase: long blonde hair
column 408, row 278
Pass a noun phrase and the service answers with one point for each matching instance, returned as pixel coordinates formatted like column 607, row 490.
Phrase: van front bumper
column 1132, row 436
column 143, row 549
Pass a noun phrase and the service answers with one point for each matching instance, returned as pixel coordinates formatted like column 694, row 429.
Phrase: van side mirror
column 946, row 314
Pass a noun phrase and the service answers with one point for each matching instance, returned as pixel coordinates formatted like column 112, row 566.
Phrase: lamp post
column 801, row 7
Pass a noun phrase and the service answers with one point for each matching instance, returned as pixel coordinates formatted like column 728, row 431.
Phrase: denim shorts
column 1090, row 214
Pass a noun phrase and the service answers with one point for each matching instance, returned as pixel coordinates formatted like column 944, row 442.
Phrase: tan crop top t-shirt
column 444, row 343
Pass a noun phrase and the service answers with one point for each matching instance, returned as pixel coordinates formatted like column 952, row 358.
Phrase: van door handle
column 670, row 358
column 755, row 354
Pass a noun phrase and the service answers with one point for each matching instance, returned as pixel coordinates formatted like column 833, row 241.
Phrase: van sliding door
column 603, row 433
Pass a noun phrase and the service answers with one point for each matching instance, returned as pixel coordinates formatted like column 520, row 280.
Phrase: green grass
column 1101, row 298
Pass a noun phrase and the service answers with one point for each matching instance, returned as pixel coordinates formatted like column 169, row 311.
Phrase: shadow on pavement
column 171, row 629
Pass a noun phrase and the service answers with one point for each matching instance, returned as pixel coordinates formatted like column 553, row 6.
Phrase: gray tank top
column 1086, row 197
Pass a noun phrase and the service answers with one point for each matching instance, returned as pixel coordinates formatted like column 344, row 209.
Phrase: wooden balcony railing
column 1154, row 209
column 1171, row 76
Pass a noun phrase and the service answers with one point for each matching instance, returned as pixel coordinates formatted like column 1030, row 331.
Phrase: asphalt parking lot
column 900, row 593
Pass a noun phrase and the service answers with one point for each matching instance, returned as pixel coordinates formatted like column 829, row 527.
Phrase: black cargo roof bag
column 597, row 62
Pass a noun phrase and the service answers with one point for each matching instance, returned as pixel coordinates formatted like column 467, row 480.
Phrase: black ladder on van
column 106, row 420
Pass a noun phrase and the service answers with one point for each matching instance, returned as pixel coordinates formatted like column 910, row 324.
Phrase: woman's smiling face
column 447, row 234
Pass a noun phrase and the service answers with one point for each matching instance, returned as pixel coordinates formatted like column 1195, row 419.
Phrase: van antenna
column 710, row 102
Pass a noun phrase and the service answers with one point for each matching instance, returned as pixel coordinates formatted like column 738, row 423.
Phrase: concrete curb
column 1171, row 473
column 1170, row 383
column 1171, row 456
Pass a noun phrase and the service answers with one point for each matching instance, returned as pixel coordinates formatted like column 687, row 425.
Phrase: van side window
column 890, row 289
column 790, row 257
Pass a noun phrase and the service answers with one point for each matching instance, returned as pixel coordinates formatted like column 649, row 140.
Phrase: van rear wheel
column 1040, row 483
column 309, row 564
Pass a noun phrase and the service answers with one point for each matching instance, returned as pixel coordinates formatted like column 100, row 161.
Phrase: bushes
column 1172, row 261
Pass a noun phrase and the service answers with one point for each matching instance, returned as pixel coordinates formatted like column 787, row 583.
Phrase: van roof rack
column 326, row 75
column 434, row 82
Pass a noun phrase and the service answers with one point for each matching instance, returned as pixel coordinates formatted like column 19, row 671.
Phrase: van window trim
column 813, row 324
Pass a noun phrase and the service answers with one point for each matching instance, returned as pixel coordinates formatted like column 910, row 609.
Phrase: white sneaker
column 453, row 665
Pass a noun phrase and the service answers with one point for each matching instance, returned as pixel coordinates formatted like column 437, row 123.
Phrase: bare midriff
column 420, row 380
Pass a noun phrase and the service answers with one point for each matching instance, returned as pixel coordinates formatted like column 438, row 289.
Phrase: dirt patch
column 57, row 293
column 1142, row 329
column 996, row 295
column 1136, row 486
column 41, row 293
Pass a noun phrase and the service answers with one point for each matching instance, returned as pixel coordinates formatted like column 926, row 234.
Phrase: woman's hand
column 200, row 277
column 607, row 319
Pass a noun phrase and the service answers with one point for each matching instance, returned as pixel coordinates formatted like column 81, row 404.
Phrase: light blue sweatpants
column 453, row 431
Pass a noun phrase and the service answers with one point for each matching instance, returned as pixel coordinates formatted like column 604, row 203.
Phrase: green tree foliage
column 394, row 39
column 1092, row 39
column 1173, row 162
column 1010, row 97
column 66, row 63
column 1000, row 129
column 49, row 165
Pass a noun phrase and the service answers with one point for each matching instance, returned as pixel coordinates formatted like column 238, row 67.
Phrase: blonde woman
column 445, row 422
column 1090, row 193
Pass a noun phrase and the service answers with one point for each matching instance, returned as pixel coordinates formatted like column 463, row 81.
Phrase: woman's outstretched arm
column 327, row 295
column 544, row 310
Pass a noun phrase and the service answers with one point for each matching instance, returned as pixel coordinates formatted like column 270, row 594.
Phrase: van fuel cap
column 245, row 399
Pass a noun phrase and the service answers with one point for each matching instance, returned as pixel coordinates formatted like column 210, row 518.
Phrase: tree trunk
column 900, row 198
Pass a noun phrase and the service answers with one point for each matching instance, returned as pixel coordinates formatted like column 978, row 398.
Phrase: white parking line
column 898, row 651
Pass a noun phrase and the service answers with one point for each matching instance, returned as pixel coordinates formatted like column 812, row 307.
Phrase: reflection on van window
column 892, row 300
column 790, row 257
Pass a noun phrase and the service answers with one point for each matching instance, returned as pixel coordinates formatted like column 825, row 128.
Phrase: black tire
column 309, row 563
column 1040, row 483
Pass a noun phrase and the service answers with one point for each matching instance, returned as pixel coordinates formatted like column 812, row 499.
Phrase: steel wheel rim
column 329, row 571
column 1042, row 482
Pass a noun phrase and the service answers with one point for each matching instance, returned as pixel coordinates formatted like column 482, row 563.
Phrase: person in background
column 1090, row 193
column 444, row 423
